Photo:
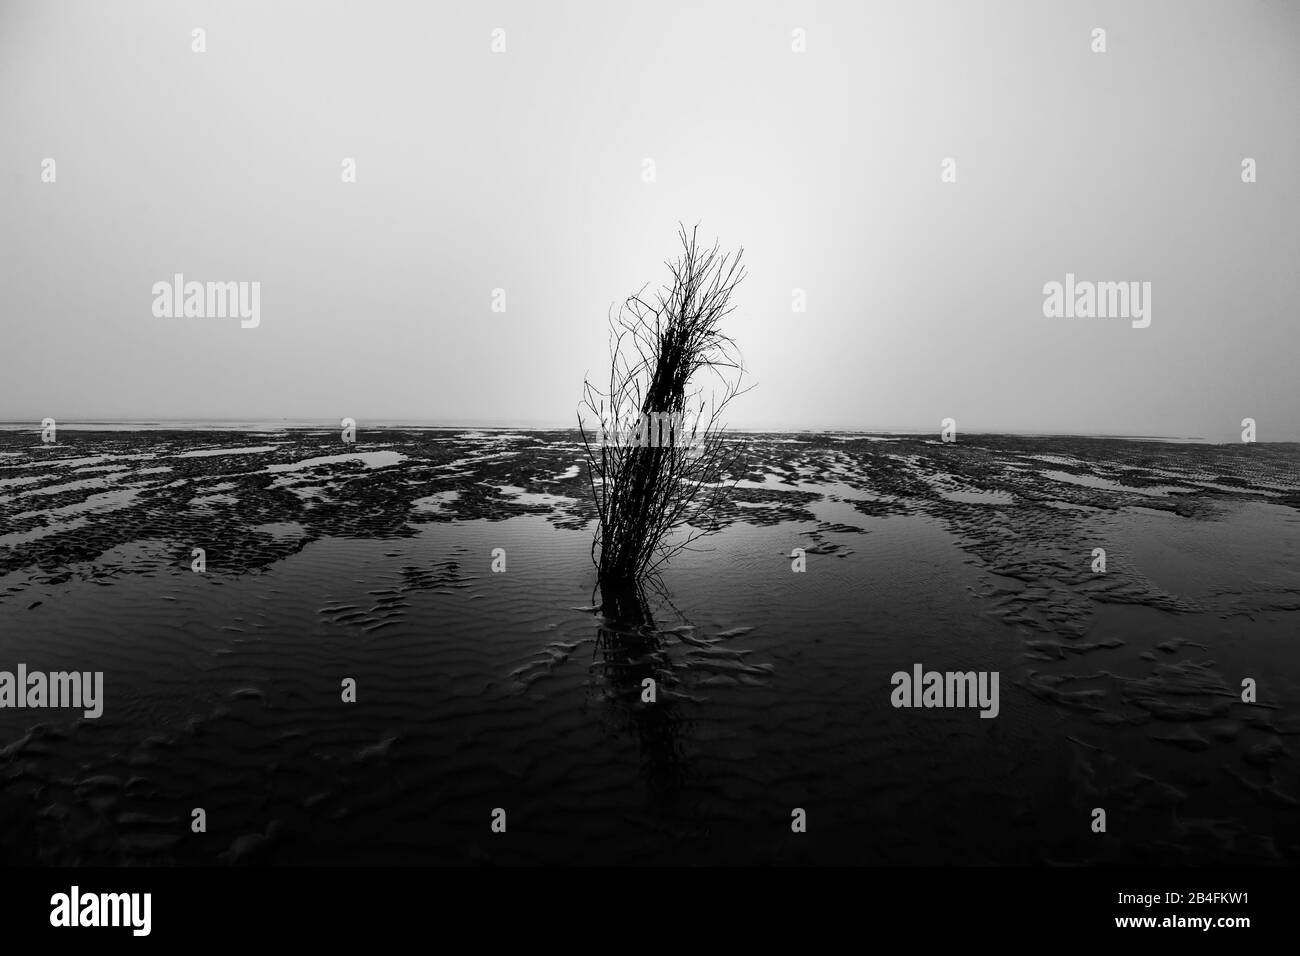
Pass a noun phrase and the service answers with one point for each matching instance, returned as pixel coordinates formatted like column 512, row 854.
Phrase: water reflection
column 632, row 655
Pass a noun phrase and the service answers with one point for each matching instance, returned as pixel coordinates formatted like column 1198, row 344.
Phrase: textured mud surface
column 1122, row 688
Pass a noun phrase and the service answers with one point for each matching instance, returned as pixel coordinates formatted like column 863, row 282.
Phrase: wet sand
column 479, row 690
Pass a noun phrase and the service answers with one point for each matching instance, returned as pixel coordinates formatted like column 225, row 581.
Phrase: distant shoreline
column 195, row 425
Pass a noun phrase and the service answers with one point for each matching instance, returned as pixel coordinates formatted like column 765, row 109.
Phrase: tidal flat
column 479, row 689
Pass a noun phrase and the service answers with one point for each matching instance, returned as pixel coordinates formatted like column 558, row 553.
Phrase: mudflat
column 228, row 585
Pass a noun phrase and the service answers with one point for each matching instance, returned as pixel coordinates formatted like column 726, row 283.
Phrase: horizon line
column 234, row 424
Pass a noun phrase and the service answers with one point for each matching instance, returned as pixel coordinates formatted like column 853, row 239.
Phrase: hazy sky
column 523, row 171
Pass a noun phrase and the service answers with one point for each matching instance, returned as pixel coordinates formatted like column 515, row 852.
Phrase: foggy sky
column 523, row 171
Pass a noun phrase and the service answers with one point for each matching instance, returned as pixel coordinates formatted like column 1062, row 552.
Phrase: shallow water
column 478, row 689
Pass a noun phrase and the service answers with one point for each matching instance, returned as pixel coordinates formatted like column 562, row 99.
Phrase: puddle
column 371, row 459
column 212, row 452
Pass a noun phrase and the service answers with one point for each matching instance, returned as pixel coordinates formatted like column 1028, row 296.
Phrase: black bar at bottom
column 335, row 906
